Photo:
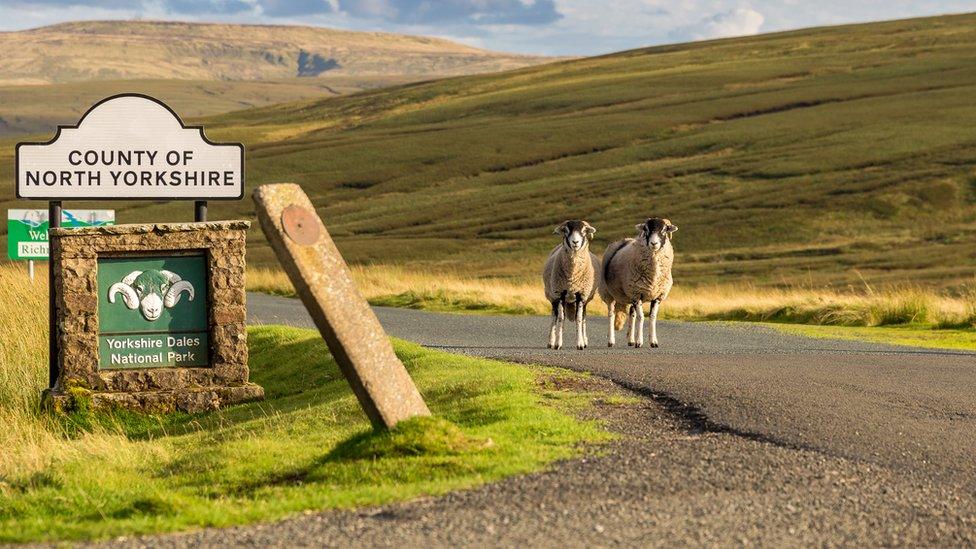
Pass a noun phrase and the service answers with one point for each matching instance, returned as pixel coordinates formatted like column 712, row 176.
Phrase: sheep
column 634, row 271
column 570, row 278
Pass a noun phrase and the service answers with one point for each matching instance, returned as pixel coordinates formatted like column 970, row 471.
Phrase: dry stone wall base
column 75, row 262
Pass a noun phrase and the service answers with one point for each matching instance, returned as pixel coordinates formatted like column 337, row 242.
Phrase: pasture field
column 817, row 176
column 815, row 158
column 308, row 446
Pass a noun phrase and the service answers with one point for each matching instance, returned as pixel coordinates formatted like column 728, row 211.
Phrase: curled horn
column 131, row 277
column 176, row 291
column 129, row 295
column 171, row 276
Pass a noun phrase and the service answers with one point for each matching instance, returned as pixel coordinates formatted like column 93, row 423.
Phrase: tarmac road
column 897, row 406
column 744, row 435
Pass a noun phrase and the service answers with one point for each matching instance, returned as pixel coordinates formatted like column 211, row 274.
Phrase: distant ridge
column 122, row 50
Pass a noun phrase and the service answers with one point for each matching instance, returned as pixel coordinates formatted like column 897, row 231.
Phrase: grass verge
column 308, row 446
column 911, row 335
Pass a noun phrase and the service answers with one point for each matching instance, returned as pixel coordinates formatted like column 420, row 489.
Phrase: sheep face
column 576, row 234
column 150, row 291
column 151, row 286
column 655, row 232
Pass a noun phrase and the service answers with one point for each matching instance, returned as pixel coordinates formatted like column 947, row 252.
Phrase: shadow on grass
column 421, row 437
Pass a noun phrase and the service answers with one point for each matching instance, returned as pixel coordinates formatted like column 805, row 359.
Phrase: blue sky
column 553, row 27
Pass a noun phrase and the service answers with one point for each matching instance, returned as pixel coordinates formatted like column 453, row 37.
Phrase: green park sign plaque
column 152, row 312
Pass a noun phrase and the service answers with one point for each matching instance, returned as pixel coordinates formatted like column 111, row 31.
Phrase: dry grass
column 867, row 306
column 32, row 442
column 442, row 291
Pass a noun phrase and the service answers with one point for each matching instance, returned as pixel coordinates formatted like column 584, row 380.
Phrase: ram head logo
column 150, row 291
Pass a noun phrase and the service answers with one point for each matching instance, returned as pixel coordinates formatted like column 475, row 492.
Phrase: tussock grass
column 865, row 306
column 398, row 286
column 36, row 446
column 890, row 306
column 97, row 474
column 23, row 326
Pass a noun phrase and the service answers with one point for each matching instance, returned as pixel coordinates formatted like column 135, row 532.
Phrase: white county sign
column 130, row 147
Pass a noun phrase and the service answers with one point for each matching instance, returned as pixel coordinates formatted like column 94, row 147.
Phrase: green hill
column 817, row 156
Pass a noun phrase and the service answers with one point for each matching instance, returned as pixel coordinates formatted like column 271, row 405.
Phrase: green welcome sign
column 27, row 229
column 152, row 312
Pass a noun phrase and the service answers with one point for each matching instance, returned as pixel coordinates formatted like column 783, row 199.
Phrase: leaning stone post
column 325, row 285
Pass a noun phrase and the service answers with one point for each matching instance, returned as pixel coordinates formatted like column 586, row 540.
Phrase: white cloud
column 738, row 22
column 735, row 22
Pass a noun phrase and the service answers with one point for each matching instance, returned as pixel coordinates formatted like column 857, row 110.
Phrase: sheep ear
column 590, row 230
column 560, row 229
column 640, row 227
column 672, row 228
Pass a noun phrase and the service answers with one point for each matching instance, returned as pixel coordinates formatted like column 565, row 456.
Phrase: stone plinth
column 224, row 380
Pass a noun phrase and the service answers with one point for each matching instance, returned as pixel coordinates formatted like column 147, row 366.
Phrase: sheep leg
column 611, row 333
column 654, row 306
column 579, row 321
column 639, row 321
column 562, row 320
column 631, row 329
column 586, row 337
column 555, row 319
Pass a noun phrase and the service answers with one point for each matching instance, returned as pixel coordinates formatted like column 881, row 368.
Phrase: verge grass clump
column 35, row 445
column 413, row 437
column 909, row 306
column 91, row 474
column 970, row 305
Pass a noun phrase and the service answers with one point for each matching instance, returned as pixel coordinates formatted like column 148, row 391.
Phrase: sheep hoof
column 580, row 347
column 638, row 345
column 610, row 345
column 654, row 345
column 630, row 343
